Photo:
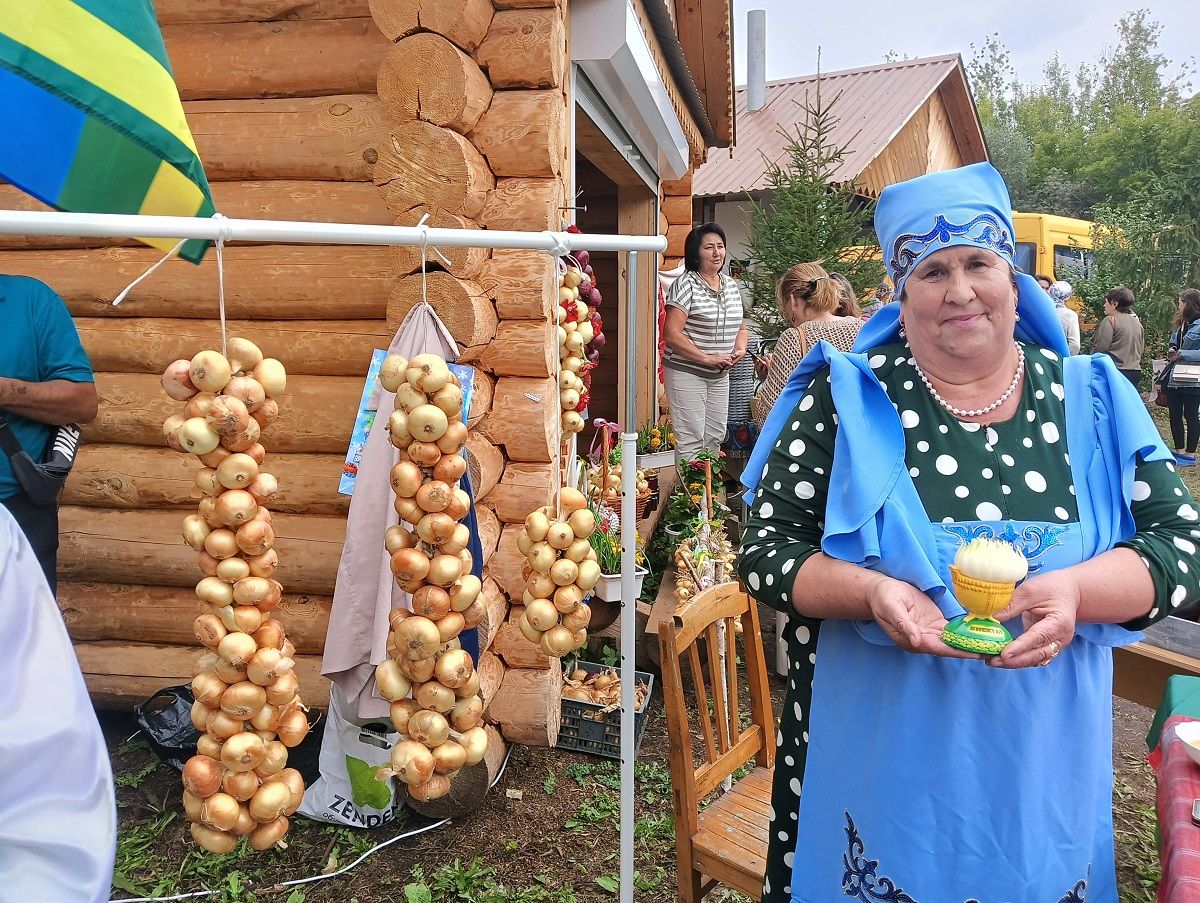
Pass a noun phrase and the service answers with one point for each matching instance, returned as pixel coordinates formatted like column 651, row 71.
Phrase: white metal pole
column 628, row 563
column 120, row 225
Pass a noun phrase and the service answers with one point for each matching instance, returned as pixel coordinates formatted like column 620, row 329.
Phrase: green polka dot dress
column 1018, row 470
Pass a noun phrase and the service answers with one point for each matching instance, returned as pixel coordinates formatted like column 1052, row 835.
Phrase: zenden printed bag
column 351, row 749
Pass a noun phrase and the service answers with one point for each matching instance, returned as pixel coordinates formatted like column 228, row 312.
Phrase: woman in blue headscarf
column 907, row 770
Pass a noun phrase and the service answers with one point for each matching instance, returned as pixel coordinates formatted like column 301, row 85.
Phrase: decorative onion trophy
column 985, row 572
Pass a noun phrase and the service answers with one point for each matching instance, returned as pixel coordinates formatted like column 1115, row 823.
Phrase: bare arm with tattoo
column 57, row 402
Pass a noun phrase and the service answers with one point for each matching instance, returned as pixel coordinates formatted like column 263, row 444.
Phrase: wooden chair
column 726, row 842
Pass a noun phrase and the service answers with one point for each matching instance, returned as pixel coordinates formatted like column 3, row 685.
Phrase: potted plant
column 606, row 540
column 655, row 445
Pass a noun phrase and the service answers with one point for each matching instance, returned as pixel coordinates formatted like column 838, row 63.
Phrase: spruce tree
column 808, row 217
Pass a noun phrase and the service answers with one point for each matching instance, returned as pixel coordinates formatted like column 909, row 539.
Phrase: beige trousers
column 699, row 411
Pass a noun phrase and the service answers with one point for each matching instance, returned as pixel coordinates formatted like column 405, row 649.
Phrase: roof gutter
column 664, row 30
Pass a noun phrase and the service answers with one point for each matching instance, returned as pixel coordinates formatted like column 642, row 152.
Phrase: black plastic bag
column 166, row 720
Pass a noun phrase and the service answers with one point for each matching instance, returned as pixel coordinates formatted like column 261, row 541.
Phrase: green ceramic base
column 972, row 633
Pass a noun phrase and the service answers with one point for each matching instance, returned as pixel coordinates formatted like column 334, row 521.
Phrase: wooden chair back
column 725, row 745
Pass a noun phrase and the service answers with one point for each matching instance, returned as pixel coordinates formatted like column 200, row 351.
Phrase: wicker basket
column 643, row 502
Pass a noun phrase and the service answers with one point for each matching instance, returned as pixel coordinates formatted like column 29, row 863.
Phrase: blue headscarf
column 967, row 206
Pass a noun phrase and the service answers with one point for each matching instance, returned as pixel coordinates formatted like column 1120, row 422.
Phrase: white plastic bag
column 347, row 792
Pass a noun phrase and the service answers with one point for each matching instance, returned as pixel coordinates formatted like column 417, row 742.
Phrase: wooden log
column 119, row 675
column 505, row 566
column 481, row 398
column 306, row 347
column 523, row 133
column 678, row 187
column 491, row 674
column 465, row 22
column 524, row 418
column 523, row 284
column 316, row 415
column 677, row 210
column 333, row 138
column 190, row 12
column 676, row 235
column 489, row 531
column 164, row 614
column 426, row 77
column 524, row 488
column 525, row 48
column 491, row 463
column 462, row 305
column 269, row 282
column 421, row 163
column 528, row 705
column 496, row 604
column 515, row 204
column 516, row 651
column 522, row 348
column 275, row 59
column 526, row 4
column 493, row 758
column 137, row 477
column 465, row 263
column 101, row 545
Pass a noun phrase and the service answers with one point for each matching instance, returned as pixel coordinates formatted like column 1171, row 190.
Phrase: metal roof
column 873, row 104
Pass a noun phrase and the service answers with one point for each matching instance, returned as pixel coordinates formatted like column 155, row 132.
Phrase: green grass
column 475, row 882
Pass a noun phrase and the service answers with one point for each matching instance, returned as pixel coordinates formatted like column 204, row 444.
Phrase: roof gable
column 873, row 105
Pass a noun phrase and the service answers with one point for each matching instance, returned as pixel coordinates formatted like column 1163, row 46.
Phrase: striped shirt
column 713, row 320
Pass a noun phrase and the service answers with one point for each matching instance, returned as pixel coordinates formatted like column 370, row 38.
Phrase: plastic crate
column 588, row 728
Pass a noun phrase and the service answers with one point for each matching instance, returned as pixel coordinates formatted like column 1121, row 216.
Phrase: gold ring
column 1055, row 648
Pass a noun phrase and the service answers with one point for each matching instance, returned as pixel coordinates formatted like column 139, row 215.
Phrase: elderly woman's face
column 712, row 253
column 961, row 302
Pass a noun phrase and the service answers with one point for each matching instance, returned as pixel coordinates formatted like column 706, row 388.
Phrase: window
column 1073, row 262
column 1026, row 257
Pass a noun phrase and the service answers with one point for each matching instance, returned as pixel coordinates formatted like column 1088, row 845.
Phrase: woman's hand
column 1048, row 605
column 762, row 364
column 1173, row 355
column 720, row 361
column 738, row 354
column 910, row 618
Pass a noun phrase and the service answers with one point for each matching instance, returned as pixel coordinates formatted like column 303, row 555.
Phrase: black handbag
column 42, row 480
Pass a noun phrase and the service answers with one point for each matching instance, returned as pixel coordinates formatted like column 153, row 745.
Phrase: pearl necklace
column 959, row 412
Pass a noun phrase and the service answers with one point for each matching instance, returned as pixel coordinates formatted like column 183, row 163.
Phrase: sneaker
column 1184, row 459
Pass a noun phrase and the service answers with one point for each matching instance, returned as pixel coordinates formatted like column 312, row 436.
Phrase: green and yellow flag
column 90, row 118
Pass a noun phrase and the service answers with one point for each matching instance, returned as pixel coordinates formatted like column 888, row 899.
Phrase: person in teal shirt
column 46, row 381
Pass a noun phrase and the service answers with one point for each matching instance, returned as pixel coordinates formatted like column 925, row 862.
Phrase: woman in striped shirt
column 705, row 336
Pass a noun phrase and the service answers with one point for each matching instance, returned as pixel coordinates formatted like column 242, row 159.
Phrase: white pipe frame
column 112, row 225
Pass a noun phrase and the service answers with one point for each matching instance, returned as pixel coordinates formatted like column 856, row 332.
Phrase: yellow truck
column 1056, row 246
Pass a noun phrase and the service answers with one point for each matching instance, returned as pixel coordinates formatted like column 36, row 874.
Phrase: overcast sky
column 857, row 33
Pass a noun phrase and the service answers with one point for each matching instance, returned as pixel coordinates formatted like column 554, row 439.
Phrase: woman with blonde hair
column 808, row 298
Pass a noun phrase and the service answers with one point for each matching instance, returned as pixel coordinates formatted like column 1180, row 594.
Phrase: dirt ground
column 547, row 832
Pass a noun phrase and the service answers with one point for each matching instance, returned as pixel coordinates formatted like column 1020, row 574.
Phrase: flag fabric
column 90, row 117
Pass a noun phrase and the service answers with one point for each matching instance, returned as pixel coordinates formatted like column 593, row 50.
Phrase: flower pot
column 608, row 587
column 655, row 460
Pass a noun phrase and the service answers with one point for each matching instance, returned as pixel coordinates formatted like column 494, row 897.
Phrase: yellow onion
column 251, row 590
column 435, row 697
column 243, row 355
column 265, row 487
column 271, row 801
column 209, row 630
column 244, row 439
column 170, row 431
column 248, row 390
column 416, row 670
column 542, row 557
column 453, row 438
column 243, row 751
column 292, row 729
column 588, row 575
column 444, row 570
column 196, row 436
column 210, row 371
column 460, row 504
column 270, row 635
column 467, row 713
column 207, row 564
column 451, row 625
column 263, row 565
column 269, row 834
column 473, row 615
column 208, row 688
column 448, row 757
column 450, row 399
column 206, row 662
column 267, row 717
column 221, row 543
column 177, row 381
column 557, row 641
column 475, row 743
column 567, row 598
column 402, row 710
column 202, row 776
column 397, row 427
column 431, row 602
column 246, row 618
column 427, row 372
column 427, row 454
column 437, row 527
column 408, row 509
column 393, row 686
column 214, row 591
column 582, row 523
column 241, row 785
column 284, row 689
column 454, row 668
column 213, row 841
column 412, row 762
column 267, row 413
column 564, row 571
column 229, row 672
column 435, row 788
column 237, row 471
column 227, row 416
column 214, row 457
column 578, row 619
column 470, row 688
column 528, row 631
column 191, row 806
column 391, row 372
column 541, row 614
column 272, row 376
column 267, row 666
column 200, row 713
column 206, row 508
column 410, row 564
column 417, row 638
column 233, row 569
column 274, row 761
column 243, row 700
column 578, row 550
column 222, row 725
column 406, row 479
column 409, row 397
column 450, row 467
column 254, row 537
column 197, row 405
column 295, row 783
column 209, row 745
column 559, row 535
column 206, row 483
column 397, row 537
column 245, row 823
column 237, row 648
column 434, row 496
column 540, row 585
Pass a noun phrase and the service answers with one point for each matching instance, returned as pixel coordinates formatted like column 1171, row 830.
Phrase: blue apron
column 932, row 780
